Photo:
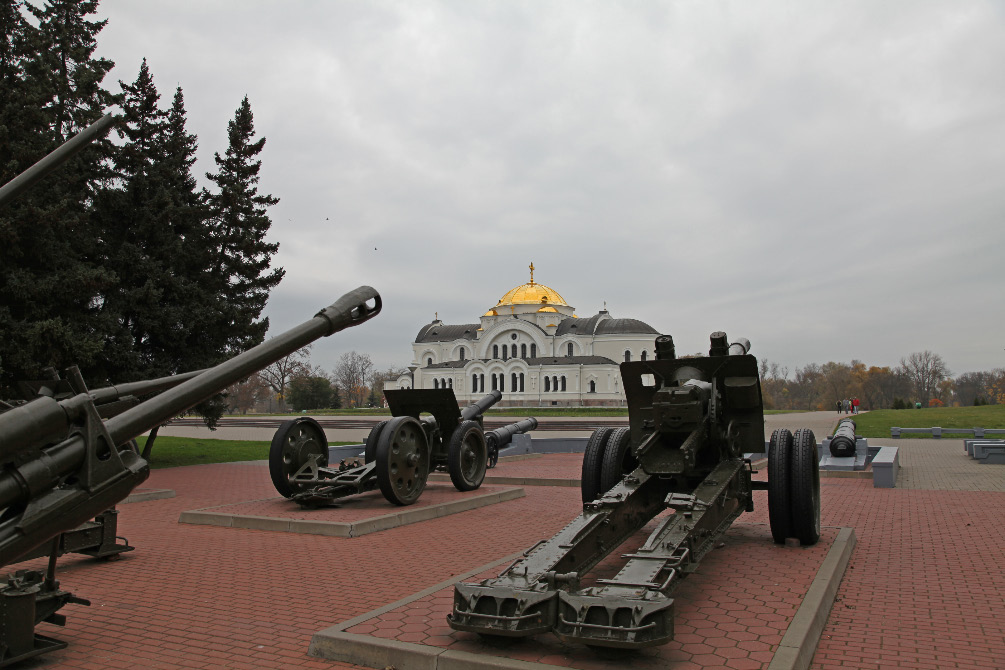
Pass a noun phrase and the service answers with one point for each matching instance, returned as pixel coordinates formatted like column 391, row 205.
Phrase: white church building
column 531, row 346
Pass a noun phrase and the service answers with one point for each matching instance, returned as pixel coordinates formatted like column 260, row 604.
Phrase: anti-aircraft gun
column 690, row 422
column 399, row 453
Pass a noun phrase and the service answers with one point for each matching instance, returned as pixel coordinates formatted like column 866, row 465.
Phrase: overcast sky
column 824, row 178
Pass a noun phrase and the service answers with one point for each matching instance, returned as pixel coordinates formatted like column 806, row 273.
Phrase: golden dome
column 547, row 309
column 532, row 293
column 491, row 312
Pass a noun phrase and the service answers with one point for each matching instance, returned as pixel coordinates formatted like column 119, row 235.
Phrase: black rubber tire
column 294, row 442
column 779, row 501
column 804, row 487
column 467, row 456
column 593, row 461
column 618, row 459
column 370, row 446
column 401, row 481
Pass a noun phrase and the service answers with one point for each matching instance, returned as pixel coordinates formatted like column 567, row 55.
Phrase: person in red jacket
column 854, row 405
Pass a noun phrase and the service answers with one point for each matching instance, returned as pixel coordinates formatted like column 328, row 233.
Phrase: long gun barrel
column 57, row 157
column 477, row 408
column 843, row 442
column 500, row 437
column 58, row 476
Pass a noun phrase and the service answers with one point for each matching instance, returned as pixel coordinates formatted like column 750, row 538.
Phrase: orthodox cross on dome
column 532, row 272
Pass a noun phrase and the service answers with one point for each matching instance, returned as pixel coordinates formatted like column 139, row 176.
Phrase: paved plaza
column 924, row 587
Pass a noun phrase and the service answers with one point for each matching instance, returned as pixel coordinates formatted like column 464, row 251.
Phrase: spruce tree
column 50, row 278
column 240, row 269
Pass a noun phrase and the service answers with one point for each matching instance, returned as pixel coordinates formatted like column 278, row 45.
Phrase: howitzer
column 61, row 464
column 398, row 455
column 690, row 422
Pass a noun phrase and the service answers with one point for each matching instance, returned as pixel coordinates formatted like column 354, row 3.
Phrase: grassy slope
column 877, row 423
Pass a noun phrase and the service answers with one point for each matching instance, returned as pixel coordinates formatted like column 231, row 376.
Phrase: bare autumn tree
column 279, row 374
column 244, row 395
column 352, row 372
column 925, row 370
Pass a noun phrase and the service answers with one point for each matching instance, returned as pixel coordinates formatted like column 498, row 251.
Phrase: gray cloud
column 823, row 178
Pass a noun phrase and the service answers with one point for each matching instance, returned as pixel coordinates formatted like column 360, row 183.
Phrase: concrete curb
column 206, row 517
column 143, row 495
column 519, row 481
column 795, row 652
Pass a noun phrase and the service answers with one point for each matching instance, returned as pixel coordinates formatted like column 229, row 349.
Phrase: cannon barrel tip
column 352, row 309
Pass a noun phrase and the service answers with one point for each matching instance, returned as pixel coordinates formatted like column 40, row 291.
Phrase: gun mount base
column 614, row 621
column 30, row 598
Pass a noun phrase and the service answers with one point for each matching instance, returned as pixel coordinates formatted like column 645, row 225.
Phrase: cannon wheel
column 292, row 446
column 370, row 447
column 493, row 453
column 467, row 456
column 402, row 458
column 593, row 461
column 779, row 501
column 618, row 459
column 804, row 487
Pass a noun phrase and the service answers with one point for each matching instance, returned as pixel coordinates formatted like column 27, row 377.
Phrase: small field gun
column 690, row 422
column 428, row 432
column 500, row 437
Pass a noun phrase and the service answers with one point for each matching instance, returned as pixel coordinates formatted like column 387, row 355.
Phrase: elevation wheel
column 804, row 487
column 292, row 446
column 779, row 502
column 467, row 456
column 493, row 452
column 593, row 461
column 402, row 459
column 618, row 459
column 370, row 447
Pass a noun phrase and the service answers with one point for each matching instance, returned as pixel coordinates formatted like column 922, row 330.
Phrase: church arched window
column 481, row 382
column 523, row 351
column 436, row 383
column 429, row 361
column 642, row 356
column 533, row 350
column 563, row 382
column 547, row 384
column 512, row 351
column 474, row 383
column 495, row 384
column 521, row 382
column 593, row 386
column 450, row 383
column 568, row 351
column 513, row 383
column 505, row 352
column 495, row 351
column 460, row 354
column 502, row 381
column 554, row 383
column 628, row 356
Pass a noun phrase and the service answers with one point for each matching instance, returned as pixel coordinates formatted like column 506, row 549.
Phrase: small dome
column 491, row 312
column 548, row 309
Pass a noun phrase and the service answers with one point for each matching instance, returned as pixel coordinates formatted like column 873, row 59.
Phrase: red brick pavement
column 925, row 588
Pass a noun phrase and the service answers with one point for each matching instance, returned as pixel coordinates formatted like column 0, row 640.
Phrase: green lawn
column 172, row 452
column 878, row 423
column 505, row 411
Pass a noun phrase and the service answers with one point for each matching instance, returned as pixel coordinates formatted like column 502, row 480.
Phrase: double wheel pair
column 402, row 453
column 608, row 457
column 794, row 486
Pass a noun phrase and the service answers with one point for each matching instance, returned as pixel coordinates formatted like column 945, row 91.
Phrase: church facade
column 534, row 348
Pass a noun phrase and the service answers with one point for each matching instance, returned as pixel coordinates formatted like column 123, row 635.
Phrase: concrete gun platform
column 923, row 589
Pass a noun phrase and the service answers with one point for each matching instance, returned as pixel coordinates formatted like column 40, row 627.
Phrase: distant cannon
column 500, row 437
column 843, row 442
column 398, row 454
column 690, row 422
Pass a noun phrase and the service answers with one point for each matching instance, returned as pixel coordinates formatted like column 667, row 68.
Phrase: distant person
column 847, row 405
column 854, row 405
column 838, row 403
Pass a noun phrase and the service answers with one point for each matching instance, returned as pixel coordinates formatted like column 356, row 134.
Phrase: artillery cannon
column 500, row 437
column 61, row 464
column 399, row 453
column 843, row 442
column 690, row 422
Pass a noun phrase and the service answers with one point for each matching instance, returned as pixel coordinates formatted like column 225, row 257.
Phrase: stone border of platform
column 143, row 495
column 519, row 481
column 205, row 517
column 795, row 652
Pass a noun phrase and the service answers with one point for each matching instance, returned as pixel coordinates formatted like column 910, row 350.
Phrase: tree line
column 295, row 383
column 922, row 377
column 119, row 262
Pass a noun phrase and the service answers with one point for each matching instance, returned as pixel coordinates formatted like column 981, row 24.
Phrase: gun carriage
column 427, row 432
column 690, row 422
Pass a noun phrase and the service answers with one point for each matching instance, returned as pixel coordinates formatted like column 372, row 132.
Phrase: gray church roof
column 438, row 331
column 570, row 360
column 595, row 326
column 449, row 364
